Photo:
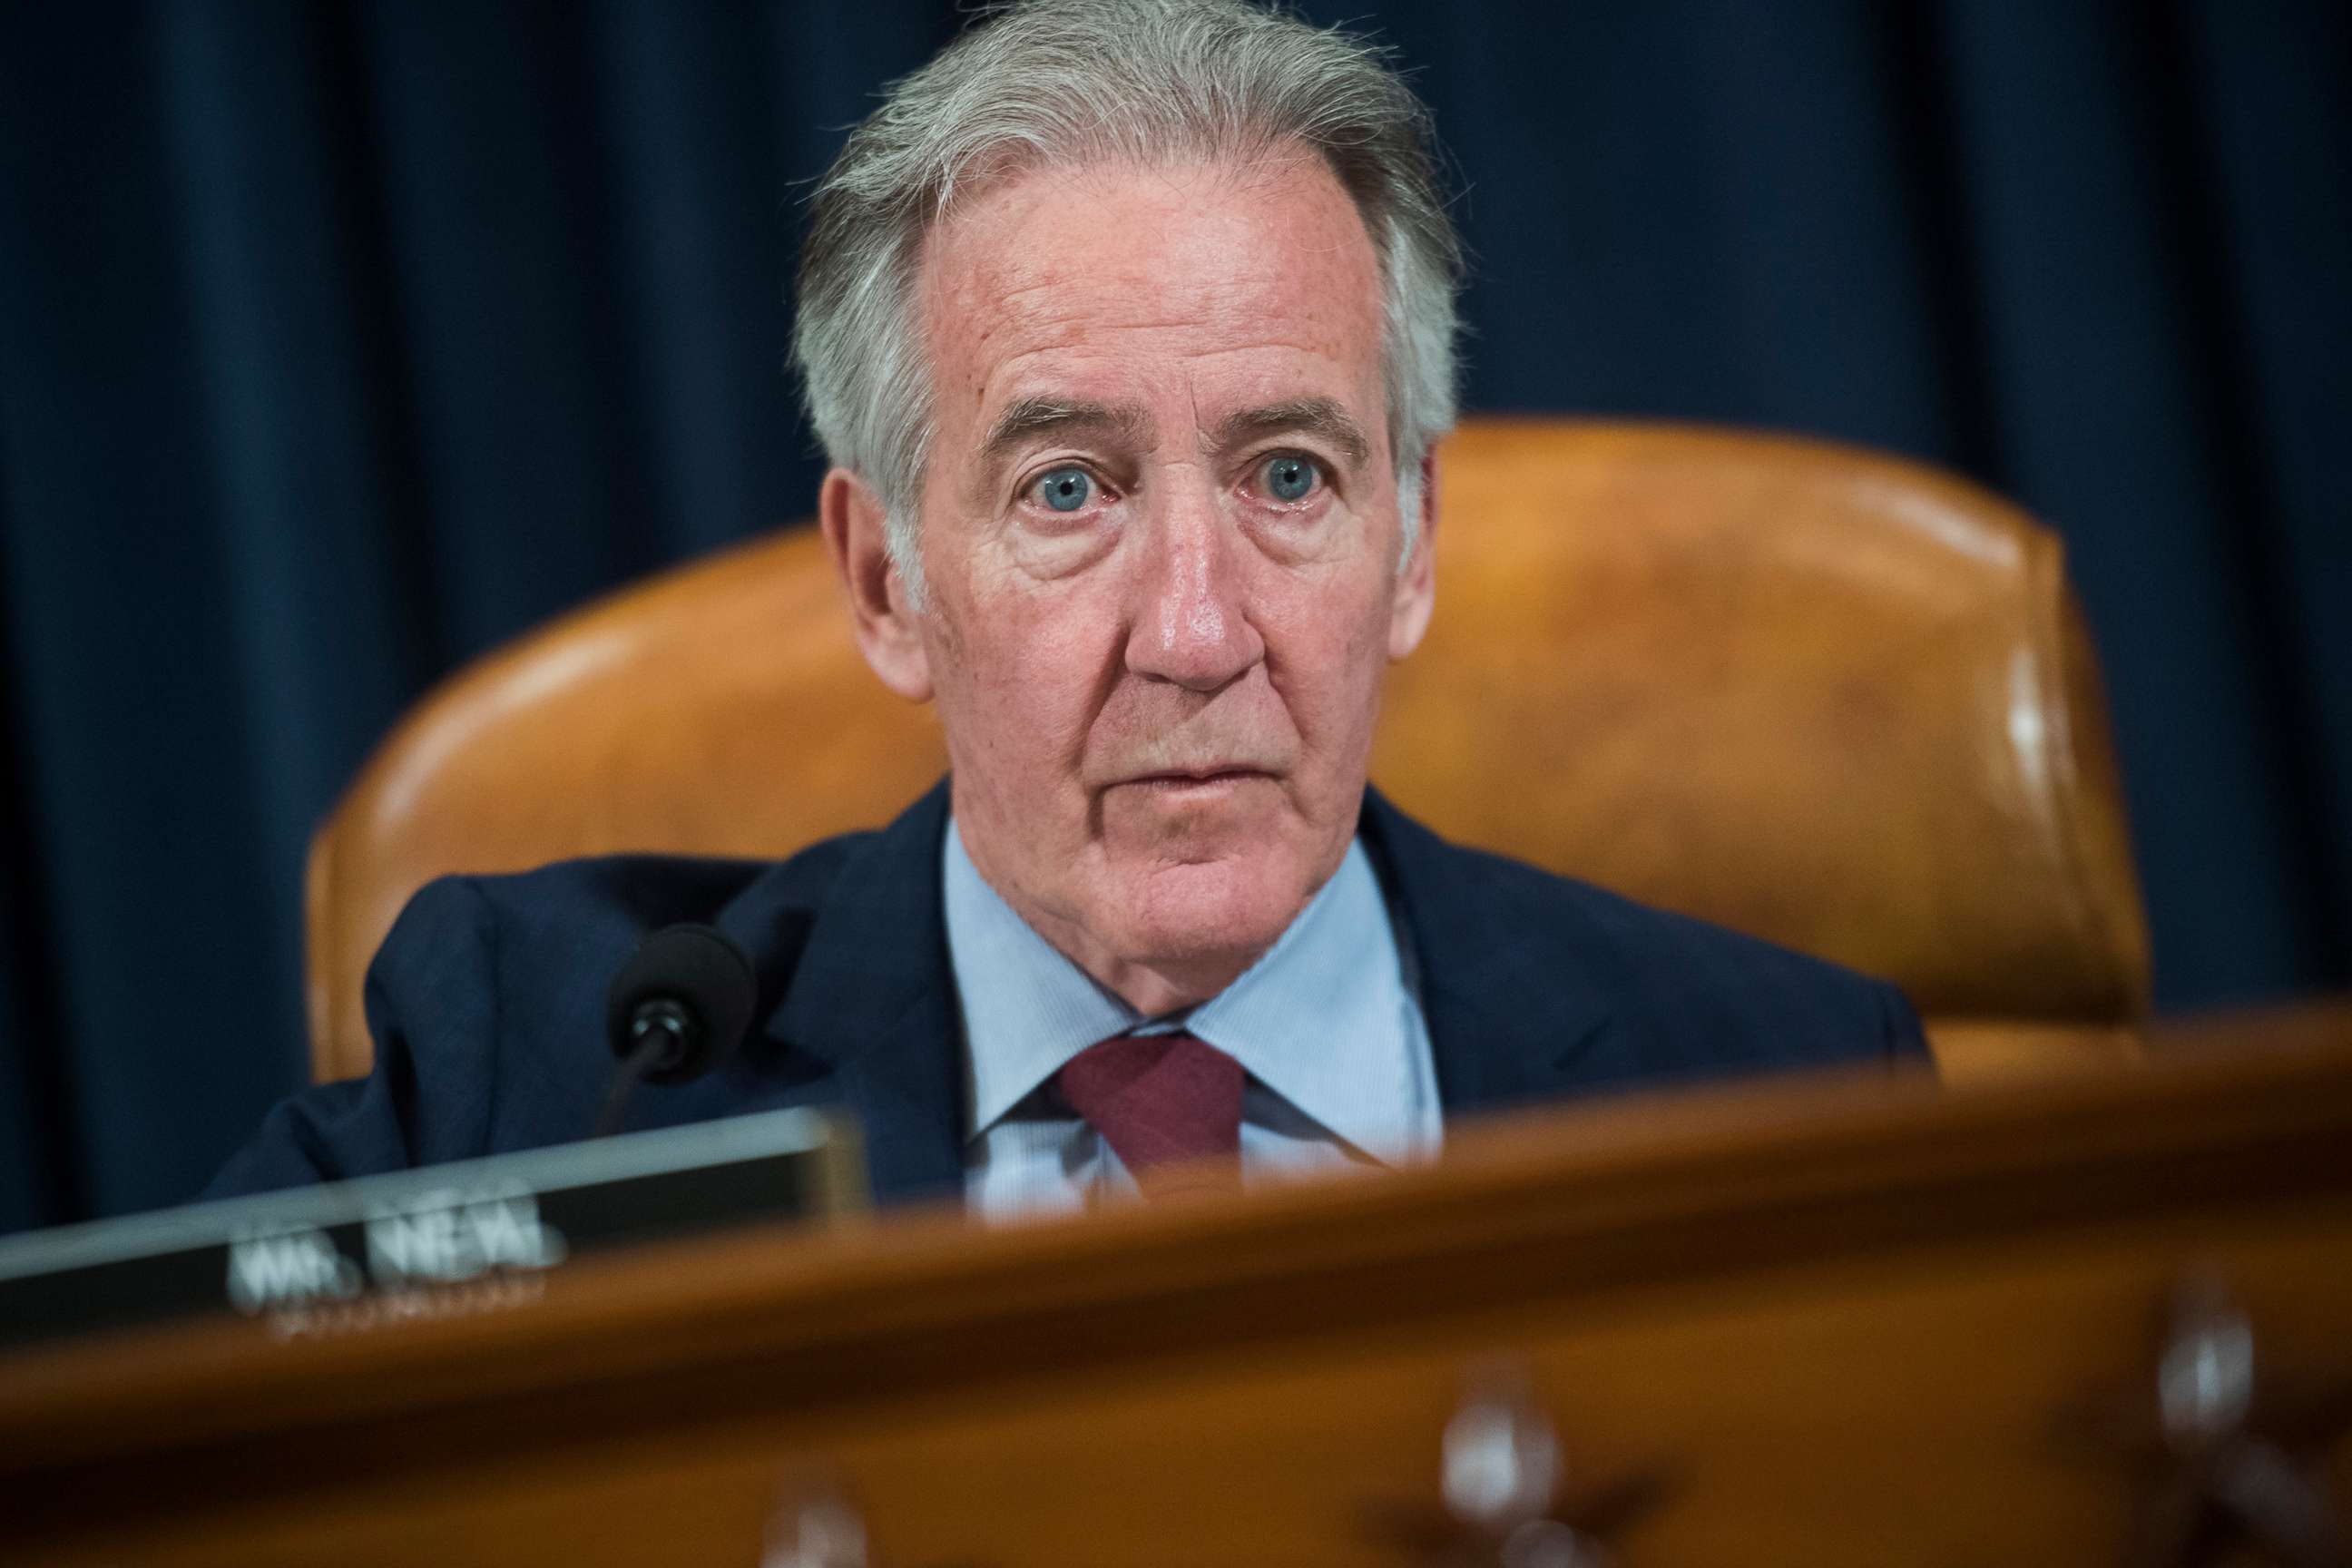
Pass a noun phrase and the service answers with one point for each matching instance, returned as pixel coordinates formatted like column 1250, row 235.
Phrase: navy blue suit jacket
column 487, row 1002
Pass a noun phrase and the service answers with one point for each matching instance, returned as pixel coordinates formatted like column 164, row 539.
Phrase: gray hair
column 1066, row 81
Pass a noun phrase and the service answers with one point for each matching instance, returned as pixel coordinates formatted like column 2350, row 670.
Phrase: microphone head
column 691, row 982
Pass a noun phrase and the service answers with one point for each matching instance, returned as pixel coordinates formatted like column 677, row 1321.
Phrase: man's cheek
column 1322, row 651
column 1034, row 715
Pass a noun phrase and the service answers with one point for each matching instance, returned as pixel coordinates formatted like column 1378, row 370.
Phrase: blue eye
column 1288, row 477
column 1065, row 490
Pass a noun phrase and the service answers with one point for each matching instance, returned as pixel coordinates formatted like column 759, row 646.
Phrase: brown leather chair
column 1835, row 699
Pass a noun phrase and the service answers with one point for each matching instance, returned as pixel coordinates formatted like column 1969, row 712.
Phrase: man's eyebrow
column 1314, row 415
column 1029, row 417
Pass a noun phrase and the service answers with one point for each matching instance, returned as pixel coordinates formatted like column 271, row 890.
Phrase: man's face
column 1159, row 534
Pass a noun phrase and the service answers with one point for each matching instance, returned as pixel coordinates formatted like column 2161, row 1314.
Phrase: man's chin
column 1224, row 912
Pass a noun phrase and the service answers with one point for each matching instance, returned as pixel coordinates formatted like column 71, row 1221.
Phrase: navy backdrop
column 338, row 343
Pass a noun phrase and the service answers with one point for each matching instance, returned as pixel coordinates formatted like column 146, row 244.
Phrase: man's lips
column 1223, row 772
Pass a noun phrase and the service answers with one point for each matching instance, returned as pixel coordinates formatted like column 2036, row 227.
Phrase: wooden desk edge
column 1593, row 1196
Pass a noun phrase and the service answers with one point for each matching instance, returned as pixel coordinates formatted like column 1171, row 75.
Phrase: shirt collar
column 1321, row 1018
column 1317, row 1019
column 1026, row 1009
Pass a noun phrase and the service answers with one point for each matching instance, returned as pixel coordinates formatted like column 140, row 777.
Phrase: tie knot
column 1157, row 1099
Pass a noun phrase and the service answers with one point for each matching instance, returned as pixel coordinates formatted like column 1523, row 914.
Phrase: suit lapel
column 870, row 1007
column 1518, row 1009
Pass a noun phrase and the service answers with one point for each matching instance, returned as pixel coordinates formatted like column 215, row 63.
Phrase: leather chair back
column 1836, row 700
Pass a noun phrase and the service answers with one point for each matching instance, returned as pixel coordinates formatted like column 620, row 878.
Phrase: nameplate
column 435, row 1242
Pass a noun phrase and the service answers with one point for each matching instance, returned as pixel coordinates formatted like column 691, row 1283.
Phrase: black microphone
column 678, row 1009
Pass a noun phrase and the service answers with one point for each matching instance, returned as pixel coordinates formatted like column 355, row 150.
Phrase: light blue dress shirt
column 1327, row 1025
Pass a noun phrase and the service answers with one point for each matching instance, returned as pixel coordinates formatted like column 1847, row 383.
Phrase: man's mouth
column 1198, row 779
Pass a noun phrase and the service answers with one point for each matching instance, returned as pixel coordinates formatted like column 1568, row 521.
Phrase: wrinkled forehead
column 1087, row 269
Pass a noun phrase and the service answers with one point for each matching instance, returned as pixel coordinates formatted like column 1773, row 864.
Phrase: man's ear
column 1416, row 586
column 889, row 633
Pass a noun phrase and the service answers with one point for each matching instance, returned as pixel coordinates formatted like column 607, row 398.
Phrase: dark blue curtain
column 338, row 343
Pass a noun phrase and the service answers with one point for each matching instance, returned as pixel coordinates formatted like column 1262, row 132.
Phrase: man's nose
column 1189, row 625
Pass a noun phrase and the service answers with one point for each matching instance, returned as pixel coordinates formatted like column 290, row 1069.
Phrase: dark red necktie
column 1160, row 1100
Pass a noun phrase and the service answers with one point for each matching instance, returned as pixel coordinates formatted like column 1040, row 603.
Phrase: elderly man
column 1128, row 327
